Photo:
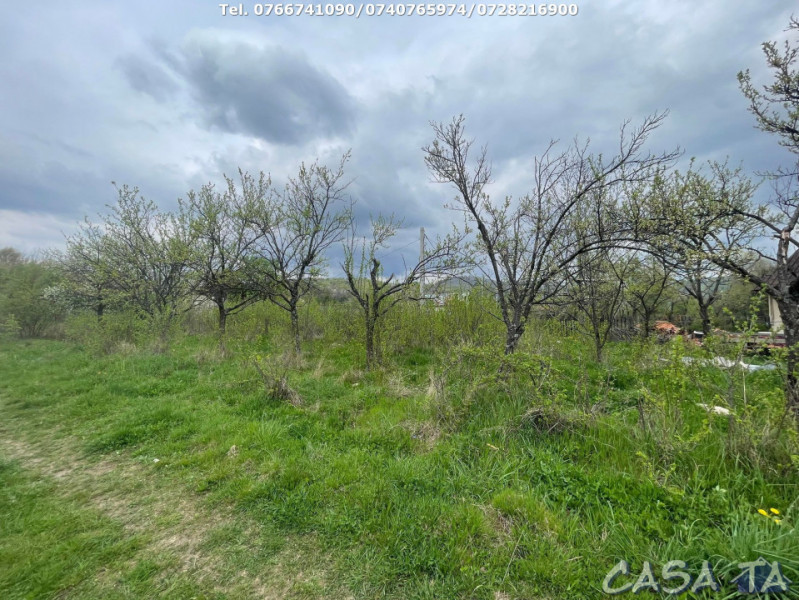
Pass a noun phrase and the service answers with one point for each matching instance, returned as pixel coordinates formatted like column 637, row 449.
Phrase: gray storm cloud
column 266, row 92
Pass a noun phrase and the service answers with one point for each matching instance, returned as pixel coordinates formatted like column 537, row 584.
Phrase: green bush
column 24, row 298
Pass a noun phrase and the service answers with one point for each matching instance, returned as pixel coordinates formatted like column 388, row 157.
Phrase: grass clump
column 274, row 375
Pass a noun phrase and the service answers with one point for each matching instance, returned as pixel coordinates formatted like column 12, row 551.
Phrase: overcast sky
column 167, row 96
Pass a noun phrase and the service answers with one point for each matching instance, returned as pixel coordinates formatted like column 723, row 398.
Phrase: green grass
column 47, row 543
column 430, row 478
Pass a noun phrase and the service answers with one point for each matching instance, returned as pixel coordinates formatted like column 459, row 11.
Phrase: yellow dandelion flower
column 777, row 521
column 774, row 511
column 762, row 512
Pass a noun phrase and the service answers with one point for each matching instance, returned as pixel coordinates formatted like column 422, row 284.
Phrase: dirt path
column 220, row 550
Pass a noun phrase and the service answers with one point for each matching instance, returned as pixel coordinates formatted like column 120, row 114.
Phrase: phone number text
column 400, row 10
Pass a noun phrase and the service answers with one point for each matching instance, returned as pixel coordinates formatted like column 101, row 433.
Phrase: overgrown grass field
column 450, row 472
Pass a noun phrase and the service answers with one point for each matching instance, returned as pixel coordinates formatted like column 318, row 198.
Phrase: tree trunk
column 295, row 328
column 222, row 319
column 165, row 326
column 792, row 384
column 370, row 342
column 222, row 327
column 671, row 312
column 513, row 337
column 704, row 313
column 598, row 345
column 790, row 319
column 647, row 329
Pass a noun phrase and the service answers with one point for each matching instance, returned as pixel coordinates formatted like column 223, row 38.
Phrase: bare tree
column 225, row 241
column 715, row 217
column 776, row 110
column 527, row 243
column 85, row 265
column 647, row 281
column 702, row 280
column 376, row 293
column 295, row 229
column 776, row 107
column 690, row 222
column 149, row 256
column 595, row 292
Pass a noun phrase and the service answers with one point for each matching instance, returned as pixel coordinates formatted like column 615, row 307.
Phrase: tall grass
column 450, row 472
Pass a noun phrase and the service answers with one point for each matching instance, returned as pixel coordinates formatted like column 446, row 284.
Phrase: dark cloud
column 147, row 76
column 265, row 92
column 268, row 93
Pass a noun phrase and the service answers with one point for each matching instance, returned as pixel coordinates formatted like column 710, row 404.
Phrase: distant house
column 774, row 316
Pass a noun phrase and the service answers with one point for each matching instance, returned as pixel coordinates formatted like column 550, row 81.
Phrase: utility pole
column 421, row 258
